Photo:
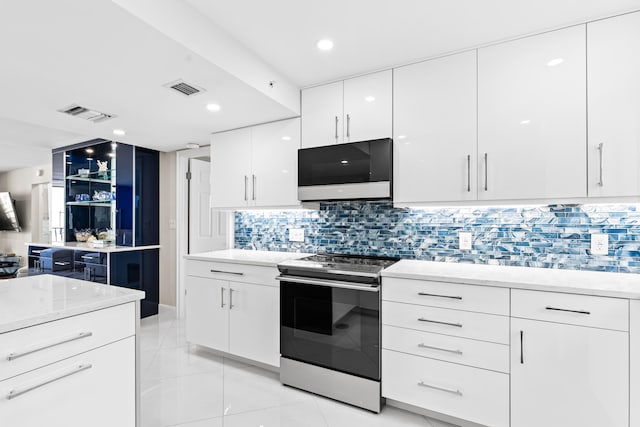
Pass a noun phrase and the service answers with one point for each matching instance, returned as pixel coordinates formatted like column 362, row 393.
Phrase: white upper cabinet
column 354, row 110
column 256, row 166
column 368, row 107
column 230, row 168
column 435, row 122
column 613, row 55
column 275, row 163
column 532, row 117
column 322, row 115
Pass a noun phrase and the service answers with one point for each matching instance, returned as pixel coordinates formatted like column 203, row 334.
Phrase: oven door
column 335, row 325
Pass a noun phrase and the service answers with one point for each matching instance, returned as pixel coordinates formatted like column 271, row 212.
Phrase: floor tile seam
column 173, row 377
column 192, row 421
column 316, row 400
column 266, row 408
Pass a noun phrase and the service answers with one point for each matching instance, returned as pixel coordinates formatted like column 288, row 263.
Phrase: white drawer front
column 94, row 389
column 233, row 272
column 443, row 347
column 39, row 345
column 471, row 394
column 582, row 310
column 485, row 327
column 483, row 299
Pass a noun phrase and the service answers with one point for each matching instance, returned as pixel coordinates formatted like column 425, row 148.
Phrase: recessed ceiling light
column 119, row 132
column 213, row 107
column 555, row 62
column 286, row 138
column 370, row 98
column 324, row 44
column 524, row 122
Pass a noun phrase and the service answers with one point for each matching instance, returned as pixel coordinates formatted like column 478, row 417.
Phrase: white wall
column 20, row 184
column 168, row 228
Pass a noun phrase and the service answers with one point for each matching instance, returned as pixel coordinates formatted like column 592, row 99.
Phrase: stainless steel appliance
column 330, row 327
column 357, row 170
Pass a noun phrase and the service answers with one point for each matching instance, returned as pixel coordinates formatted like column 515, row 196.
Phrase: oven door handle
column 330, row 283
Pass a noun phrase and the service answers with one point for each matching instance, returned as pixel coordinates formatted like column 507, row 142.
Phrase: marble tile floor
column 183, row 385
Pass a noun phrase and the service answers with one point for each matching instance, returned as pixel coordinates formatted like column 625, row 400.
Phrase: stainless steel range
column 330, row 326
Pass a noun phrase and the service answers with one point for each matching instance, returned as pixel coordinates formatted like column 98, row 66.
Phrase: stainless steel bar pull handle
column 237, row 273
column 425, row 294
column 336, row 129
column 246, row 183
column 430, row 347
column 348, row 126
column 567, row 310
column 457, row 325
column 253, row 187
column 447, row 390
column 486, row 172
column 20, row 391
column 468, row 173
column 601, row 151
column 74, row 337
column 230, row 298
column 221, row 297
column 522, row 347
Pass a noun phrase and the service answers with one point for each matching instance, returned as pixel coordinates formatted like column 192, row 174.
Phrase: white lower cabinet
column 564, row 362
column 228, row 313
column 63, row 387
column 476, row 395
column 568, row 376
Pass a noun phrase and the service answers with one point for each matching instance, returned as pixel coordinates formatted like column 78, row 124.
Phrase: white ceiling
column 115, row 56
column 376, row 34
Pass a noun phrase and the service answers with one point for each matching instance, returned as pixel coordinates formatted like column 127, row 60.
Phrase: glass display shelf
column 96, row 176
column 104, row 203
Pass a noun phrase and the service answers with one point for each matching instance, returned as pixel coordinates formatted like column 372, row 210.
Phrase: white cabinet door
column 368, row 107
column 275, row 163
column 613, row 65
column 568, row 376
column 96, row 388
column 532, row 117
column 207, row 312
column 254, row 319
column 434, row 122
column 322, row 115
column 231, row 168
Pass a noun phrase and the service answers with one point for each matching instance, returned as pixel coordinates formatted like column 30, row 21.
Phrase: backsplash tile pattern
column 556, row 236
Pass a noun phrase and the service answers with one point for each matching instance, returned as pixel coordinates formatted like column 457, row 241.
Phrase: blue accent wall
column 556, row 236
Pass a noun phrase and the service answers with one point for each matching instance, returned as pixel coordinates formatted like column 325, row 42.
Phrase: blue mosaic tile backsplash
column 556, row 236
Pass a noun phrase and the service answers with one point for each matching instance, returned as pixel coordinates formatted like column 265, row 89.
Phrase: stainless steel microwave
column 357, row 170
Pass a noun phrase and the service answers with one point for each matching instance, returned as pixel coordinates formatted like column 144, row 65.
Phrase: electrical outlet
column 599, row 244
column 465, row 240
column 296, row 234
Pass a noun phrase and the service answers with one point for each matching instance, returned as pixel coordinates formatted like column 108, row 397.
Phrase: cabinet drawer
column 94, row 389
column 582, row 310
column 483, row 299
column 485, row 327
column 471, row 394
column 480, row 354
column 232, row 272
column 40, row 345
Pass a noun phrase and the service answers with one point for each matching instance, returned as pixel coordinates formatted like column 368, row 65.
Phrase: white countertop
column 32, row 300
column 87, row 247
column 621, row 285
column 242, row 256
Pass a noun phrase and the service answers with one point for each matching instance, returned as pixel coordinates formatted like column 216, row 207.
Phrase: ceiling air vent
column 184, row 88
column 86, row 113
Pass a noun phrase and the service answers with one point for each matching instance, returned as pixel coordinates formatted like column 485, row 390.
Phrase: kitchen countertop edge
column 595, row 283
column 248, row 257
